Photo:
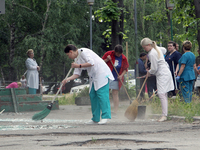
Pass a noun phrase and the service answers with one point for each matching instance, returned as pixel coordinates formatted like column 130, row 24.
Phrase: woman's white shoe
column 163, row 118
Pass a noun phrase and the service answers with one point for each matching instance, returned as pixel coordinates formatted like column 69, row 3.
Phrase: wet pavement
column 65, row 129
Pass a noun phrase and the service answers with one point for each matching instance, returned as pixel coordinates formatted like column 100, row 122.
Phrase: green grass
column 67, row 100
column 178, row 107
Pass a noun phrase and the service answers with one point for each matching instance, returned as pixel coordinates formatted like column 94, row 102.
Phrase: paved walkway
column 65, row 129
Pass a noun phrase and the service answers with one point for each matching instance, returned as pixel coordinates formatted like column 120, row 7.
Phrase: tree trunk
column 197, row 12
column 141, row 17
column 12, row 74
column 43, row 53
column 115, row 35
column 121, row 22
column 168, row 17
column 115, row 31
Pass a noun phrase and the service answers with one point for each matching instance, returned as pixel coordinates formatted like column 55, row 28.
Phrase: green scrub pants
column 100, row 103
column 32, row 91
column 186, row 89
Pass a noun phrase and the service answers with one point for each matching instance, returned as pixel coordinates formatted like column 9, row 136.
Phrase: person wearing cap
column 32, row 76
column 185, row 69
column 172, row 58
column 14, row 85
column 120, row 63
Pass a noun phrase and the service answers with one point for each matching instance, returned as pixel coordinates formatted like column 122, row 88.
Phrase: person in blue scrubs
column 186, row 75
column 172, row 56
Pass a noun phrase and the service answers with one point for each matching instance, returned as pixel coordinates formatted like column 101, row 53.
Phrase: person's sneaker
column 103, row 121
column 163, row 118
column 91, row 122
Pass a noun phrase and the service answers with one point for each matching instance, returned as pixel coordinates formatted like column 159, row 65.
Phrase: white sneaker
column 91, row 122
column 103, row 121
column 163, row 118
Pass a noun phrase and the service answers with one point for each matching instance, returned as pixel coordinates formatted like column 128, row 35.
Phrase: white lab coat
column 98, row 73
column 32, row 76
column 160, row 68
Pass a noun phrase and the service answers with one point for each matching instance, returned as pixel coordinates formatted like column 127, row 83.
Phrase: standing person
column 142, row 72
column 99, row 76
column 186, row 75
column 174, row 56
column 197, row 70
column 32, row 72
column 23, row 81
column 160, row 68
column 121, row 64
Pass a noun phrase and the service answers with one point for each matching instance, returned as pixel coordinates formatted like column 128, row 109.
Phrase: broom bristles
column 41, row 115
column 132, row 111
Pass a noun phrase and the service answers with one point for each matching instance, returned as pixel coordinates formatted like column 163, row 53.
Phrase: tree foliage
column 48, row 26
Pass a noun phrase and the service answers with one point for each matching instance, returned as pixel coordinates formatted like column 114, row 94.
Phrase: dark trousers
column 151, row 85
column 142, row 94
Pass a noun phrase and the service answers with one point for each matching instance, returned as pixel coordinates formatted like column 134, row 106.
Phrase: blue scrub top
column 175, row 56
column 188, row 59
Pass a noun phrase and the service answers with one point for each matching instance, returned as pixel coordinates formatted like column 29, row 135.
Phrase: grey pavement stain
column 41, row 125
column 44, row 121
column 33, row 127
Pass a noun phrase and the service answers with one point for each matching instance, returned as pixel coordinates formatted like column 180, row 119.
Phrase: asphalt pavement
column 65, row 129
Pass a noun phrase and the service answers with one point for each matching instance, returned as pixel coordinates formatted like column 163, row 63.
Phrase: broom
column 120, row 80
column 41, row 115
column 132, row 110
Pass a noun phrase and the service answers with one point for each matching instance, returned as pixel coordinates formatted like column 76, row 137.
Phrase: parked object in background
column 130, row 78
column 79, row 88
column 45, row 88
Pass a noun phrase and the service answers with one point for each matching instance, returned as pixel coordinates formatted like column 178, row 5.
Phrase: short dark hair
column 70, row 47
column 173, row 43
column 118, row 49
column 142, row 54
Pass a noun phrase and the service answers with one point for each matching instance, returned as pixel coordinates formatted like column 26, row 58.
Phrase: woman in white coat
column 99, row 75
column 160, row 69
column 32, row 76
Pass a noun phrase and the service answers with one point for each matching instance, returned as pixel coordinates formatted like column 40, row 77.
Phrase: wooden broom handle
column 120, row 80
column 142, row 86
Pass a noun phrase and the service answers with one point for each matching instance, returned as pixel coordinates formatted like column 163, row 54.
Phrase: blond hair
column 29, row 51
column 147, row 41
column 19, row 84
column 187, row 45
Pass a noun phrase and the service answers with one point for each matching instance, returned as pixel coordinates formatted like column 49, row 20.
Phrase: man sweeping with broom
column 99, row 75
column 160, row 69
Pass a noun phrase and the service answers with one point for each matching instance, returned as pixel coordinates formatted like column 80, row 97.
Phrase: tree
column 113, row 12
